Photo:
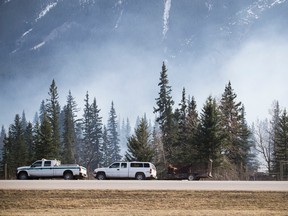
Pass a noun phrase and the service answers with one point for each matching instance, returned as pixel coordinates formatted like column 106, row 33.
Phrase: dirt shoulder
column 114, row 202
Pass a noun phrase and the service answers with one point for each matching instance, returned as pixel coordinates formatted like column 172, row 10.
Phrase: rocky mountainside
column 34, row 33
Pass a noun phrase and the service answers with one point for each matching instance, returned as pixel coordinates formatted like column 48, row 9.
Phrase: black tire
column 23, row 176
column 191, row 177
column 101, row 176
column 140, row 176
column 68, row 175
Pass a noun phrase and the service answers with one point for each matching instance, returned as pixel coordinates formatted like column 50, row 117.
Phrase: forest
column 179, row 135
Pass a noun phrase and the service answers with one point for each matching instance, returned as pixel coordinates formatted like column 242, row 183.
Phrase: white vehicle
column 126, row 170
column 51, row 169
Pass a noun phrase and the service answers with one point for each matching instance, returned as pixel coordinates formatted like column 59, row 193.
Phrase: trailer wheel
column 191, row 177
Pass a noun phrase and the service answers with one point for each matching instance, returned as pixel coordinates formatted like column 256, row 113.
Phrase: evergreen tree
column 2, row 137
column 29, row 140
column 235, row 131
column 281, row 149
column 19, row 147
column 8, row 157
column 106, row 148
column 209, row 133
column 69, row 135
column 180, row 117
column 139, row 145
column 274, row 133
column 53, row 113
column 97, row 133
column 113, row 135
column 191, row 150
column 42, row 111
column 165, row 114
column 44, row 144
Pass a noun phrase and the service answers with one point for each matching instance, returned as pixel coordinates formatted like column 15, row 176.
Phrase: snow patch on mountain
column 253, row 12
column 27, row 32
column 46, row 10
column 167, row 6
column 37, row 47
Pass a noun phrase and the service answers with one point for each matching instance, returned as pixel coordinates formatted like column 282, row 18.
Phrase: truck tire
column 23, row 176
column 101, row 176
column 140, row 176
column 68, row 175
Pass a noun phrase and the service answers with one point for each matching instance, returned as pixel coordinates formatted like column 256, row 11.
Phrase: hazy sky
column 129, row 75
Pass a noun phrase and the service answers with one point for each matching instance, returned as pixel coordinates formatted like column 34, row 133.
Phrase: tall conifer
column 53, row 113
column 164, row 111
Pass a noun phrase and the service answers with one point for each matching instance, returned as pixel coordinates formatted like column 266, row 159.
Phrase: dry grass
column 109, row 202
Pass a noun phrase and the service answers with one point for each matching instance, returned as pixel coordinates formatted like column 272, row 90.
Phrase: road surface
column 144, row 185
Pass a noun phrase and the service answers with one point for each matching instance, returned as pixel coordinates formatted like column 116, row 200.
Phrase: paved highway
column 144, row 185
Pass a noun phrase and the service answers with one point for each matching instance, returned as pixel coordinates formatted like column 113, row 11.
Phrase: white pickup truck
column 125, row 170
column 51, row 169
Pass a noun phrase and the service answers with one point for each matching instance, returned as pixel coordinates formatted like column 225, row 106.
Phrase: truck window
column 47, row 163
column 123, row 165
column 115, row 165
column 146, row 165
column 37, row 164
column 136, row 165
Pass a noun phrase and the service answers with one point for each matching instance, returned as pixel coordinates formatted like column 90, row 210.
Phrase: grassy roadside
column 113, row 202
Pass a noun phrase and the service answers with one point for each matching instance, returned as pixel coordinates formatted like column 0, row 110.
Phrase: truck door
column 113, row 171
column 123, row 171
column 47, row 170
column 36, row 169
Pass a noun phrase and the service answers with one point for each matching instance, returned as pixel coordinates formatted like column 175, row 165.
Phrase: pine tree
column 29, row 140
column 106, row 149
column 209, row 133
column 44, row 145
column 19, row 148
column 165, row 114
column 192, row 128
column 236, row 143
column 42, row 111
column 274, row 133
column 8, row 157
column 180, row 116
column 97, row 133
column 139, row 145
column 281, row 149
column 2, row 137
column 113, row 134
column 69, row 135
column 53, row 113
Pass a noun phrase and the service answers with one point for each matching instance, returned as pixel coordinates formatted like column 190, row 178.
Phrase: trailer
column 194, row 171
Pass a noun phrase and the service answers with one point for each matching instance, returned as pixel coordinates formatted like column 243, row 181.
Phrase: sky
column 129, row 75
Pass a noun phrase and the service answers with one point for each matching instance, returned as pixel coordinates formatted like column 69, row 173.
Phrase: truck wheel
column 68, row 176
column 139, row 176
column 191, row 178
column 22, row 176
column 101, row 176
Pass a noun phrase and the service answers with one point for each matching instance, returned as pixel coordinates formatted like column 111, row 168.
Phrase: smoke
column 167, row 6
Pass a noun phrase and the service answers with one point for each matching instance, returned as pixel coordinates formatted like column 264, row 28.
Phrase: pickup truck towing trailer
column 51, row 169
column 127, row 170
